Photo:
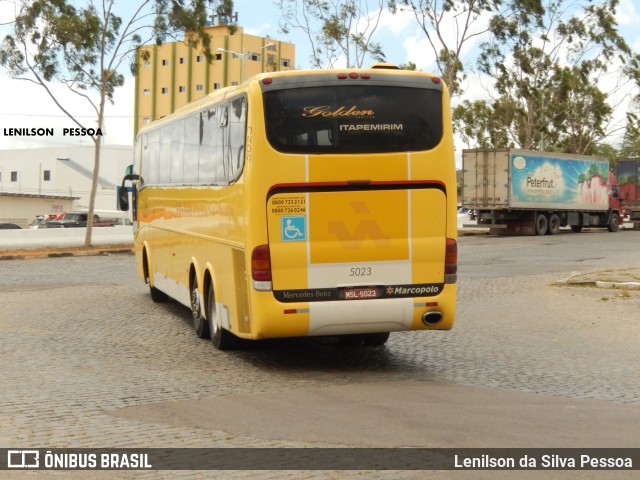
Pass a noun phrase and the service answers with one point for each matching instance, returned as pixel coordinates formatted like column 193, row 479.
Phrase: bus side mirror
column 122, row 194
column 122, row 199
column 128, row 170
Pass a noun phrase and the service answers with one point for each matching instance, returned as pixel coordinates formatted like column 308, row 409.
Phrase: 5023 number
column 360, row 272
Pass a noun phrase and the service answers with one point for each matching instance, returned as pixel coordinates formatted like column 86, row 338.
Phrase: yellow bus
column 302, row 203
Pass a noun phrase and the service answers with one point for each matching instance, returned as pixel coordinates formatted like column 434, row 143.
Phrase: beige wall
column 174, row 74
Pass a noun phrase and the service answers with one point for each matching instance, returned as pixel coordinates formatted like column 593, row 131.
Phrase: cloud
column 403, row 38
column 28, row 106
column 262, row 30
column 419, row 51
column 627, row 14
column 397, row 24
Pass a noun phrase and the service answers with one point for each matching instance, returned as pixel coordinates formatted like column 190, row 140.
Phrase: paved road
column 89, row 361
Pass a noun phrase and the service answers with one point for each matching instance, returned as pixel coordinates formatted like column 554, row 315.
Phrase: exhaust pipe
column 431, row 318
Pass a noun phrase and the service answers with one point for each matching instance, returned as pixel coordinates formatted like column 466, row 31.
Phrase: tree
column 449, row 26
column 86, row 48
column 607, row 151
column 630, row 147
column 335, row 29
column 224, row 13
column 545, row 65
column 408, row 66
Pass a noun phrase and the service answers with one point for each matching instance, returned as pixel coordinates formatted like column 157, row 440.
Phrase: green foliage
column 606, row 151
column 630, row 147
column 481, row 124
column 54, row 41
column 337, row 30
column 225, row 10
column 85, row 47
column 545, row 60
column 448, row 26
column 408, row 66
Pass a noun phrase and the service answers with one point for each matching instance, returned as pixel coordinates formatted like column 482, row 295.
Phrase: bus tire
column 222, row 339
column 351, row 339
column 376, row 339
column 554, row 225
column 614, row 223
column 157, row 296
column 541, row 224
column 200, row 324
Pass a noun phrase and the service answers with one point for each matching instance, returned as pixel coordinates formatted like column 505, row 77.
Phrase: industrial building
column 173, row 74
column 39, row 181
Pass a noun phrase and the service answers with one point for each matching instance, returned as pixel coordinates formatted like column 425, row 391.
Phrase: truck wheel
column 576, row 228
column 554, row 225
column 541, row 224
column 614, row 223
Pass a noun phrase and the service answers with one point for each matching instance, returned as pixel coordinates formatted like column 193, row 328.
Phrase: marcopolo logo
column 23, row 459
column 414, row 290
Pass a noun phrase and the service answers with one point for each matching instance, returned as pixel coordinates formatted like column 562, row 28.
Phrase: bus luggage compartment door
column 383, row 244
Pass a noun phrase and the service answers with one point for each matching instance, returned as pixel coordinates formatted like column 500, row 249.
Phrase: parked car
column 39, row 222
column 71, row 220
column 9, row 226
column 463, row 211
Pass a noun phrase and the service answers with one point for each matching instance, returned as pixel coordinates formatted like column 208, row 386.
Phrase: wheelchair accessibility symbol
column 293, row 229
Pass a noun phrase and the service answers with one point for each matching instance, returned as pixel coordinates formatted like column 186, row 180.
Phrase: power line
column 60, row 116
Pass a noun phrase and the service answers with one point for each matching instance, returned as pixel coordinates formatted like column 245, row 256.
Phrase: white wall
column 31, row 163
column 64, row 237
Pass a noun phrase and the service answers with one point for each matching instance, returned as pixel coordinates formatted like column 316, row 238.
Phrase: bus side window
column 238, row 129
column 190, row 149
column 208, row 146
column 145, row 161
column 177, row 152
column 224, row 115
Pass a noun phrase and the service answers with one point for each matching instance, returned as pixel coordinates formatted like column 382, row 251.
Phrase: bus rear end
column 354, row 197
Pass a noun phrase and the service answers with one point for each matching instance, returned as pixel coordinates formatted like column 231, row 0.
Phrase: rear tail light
column 451, row 261
column 261, row 268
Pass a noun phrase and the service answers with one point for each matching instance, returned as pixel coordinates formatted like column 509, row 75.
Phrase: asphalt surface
column 90, row 361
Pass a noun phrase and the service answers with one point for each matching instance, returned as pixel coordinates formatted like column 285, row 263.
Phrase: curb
column 619, row 285
column 62, row 252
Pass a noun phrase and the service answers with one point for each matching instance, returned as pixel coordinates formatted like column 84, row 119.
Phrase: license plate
column 360, row 293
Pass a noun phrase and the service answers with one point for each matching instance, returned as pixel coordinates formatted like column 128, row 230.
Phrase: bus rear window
column 353, row 119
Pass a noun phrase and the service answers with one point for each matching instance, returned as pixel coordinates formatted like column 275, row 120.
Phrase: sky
column 25, row 105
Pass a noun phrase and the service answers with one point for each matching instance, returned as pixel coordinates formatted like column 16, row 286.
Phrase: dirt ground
column 53, row 252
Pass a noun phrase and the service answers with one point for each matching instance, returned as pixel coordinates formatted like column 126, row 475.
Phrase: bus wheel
column 554, row 225
column 222, row 339
column 541, row 224
column 374, row 339
column 156, row 295
column 614, row 223
column 200, row 324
